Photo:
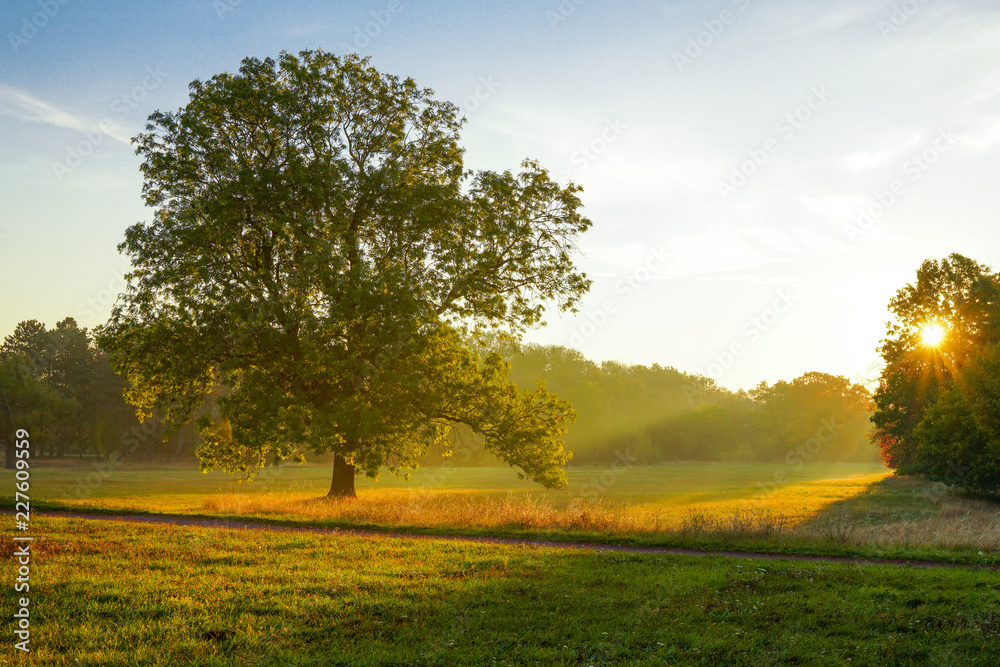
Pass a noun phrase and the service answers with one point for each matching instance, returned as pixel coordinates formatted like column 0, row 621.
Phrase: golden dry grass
column 891, row 513
column 958, row 524
column 836, row 504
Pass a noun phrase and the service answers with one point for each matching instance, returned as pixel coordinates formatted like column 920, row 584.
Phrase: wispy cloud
column 25, row 107
column 19, row 104
column 885, row 149
column 829, row 18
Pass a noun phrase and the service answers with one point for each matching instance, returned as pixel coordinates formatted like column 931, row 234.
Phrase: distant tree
column 26, row 402
column 112, row 421
column 653, row 413
column 32, row 342
column 72, row 369
column 320, row 258
column 621, row 406
column 77, row 396
column 964, row 297
column 708, row 432
column 815, row 417
column 43, row 364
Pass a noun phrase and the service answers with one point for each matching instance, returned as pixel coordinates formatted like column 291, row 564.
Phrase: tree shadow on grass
column 894, row 500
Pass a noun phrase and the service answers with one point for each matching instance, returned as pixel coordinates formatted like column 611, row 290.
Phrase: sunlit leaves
column 941, row 323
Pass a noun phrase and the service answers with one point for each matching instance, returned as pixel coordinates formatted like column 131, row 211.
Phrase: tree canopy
column 319, row 260
column 934, row 404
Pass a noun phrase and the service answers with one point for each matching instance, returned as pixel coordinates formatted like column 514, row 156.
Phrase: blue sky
column 762, row 176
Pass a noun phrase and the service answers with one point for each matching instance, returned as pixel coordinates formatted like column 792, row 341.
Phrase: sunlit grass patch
column 822, row 508
column 119, row 594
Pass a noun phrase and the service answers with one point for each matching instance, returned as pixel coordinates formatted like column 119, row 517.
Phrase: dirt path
column 174, row 520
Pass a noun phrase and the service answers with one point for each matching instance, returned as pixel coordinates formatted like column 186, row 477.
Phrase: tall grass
column 936, row 521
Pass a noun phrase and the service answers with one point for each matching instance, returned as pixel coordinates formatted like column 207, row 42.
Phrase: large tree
column 320, row 259
column 960, row 296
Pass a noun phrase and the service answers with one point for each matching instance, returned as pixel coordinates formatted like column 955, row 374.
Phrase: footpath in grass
column 123, row 594
column 845, row 510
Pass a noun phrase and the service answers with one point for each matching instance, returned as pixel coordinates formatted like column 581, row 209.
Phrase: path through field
column 552, row 544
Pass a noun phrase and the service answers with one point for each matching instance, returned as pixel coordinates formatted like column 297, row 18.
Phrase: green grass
column 183, row 487
column 841, row 509
column 124, row 594
column 670, row 492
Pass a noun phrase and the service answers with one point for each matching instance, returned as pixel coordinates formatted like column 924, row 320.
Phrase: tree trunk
column 343, row 479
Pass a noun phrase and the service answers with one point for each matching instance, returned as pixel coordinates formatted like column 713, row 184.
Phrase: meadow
column 846, row 509
column 117, row 594
column 110, row 592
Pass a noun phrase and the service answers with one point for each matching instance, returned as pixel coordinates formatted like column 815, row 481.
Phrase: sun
column 932, row 334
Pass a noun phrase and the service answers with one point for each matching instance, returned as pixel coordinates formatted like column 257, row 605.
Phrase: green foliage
column 947, row 435
column 26, row 402
column 936, row 407
column 961, row 294
column 654, row 414
column 317, row 258
column 959, row 435
column 709, row 432
column 816, row 407
column 60, row 387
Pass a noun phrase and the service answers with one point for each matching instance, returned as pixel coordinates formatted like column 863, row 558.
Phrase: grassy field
column 669, row 486
column 846, row 509
column 124, row 594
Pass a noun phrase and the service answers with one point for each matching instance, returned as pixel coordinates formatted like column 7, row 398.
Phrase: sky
column 762, row 176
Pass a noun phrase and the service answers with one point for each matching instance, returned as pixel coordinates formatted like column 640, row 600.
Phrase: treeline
column 56, row 384
column 655, row 414
column 60, row 386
